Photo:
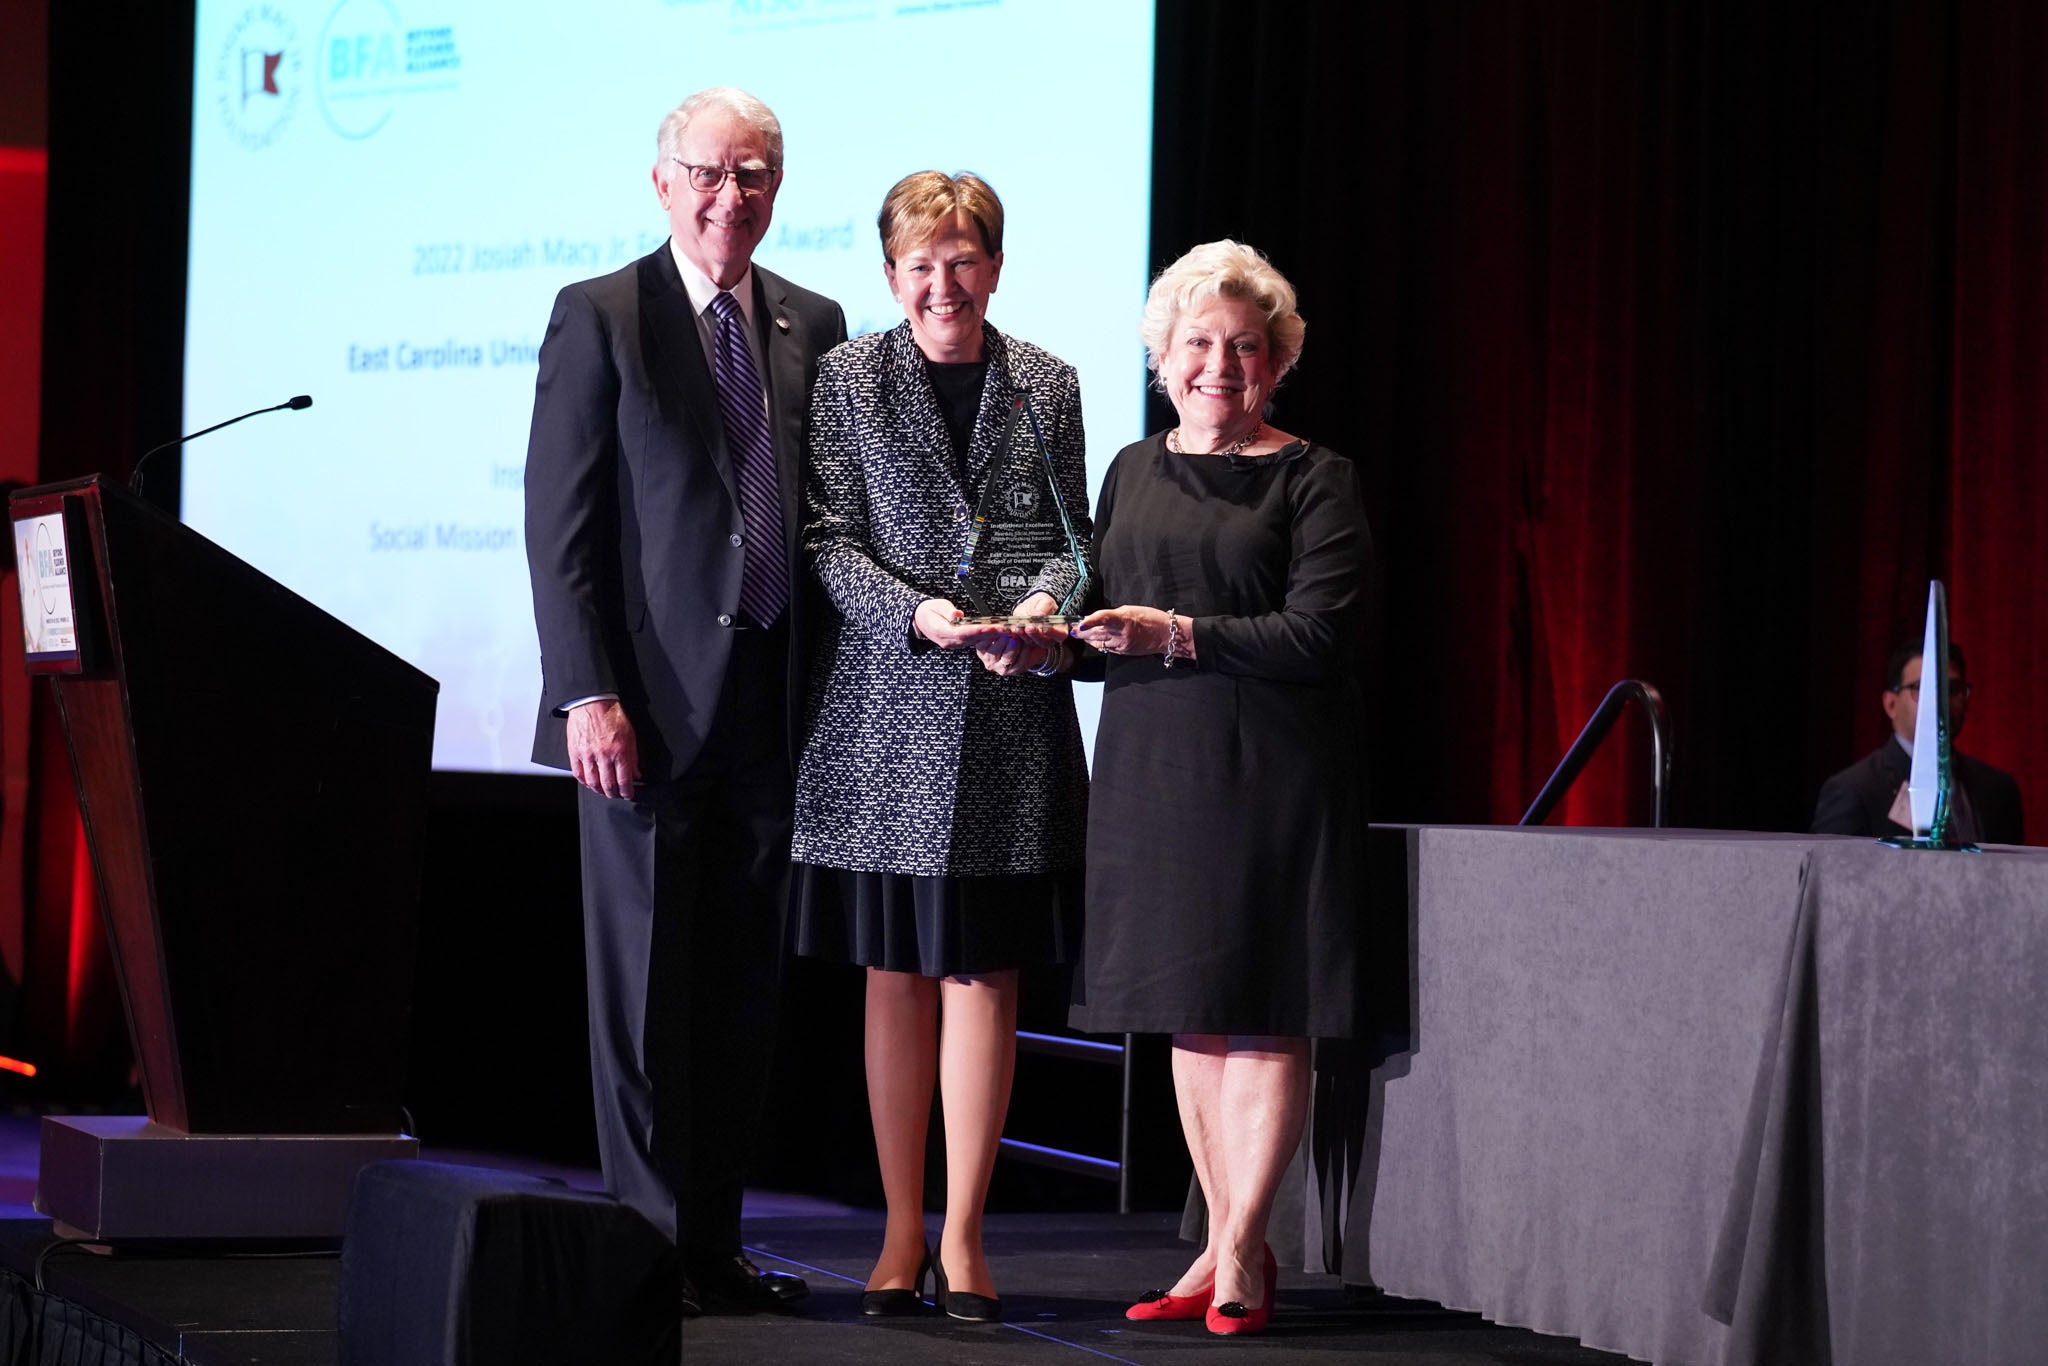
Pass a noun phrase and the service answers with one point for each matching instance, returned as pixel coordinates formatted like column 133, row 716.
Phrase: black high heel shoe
column 885, row 1304
column 965, row 1305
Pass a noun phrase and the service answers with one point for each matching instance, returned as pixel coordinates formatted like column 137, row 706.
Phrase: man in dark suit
column 1868, row 797
column 661, row 529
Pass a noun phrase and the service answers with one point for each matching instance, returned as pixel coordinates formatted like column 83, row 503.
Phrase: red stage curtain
column 1996, row 538
column 66, row 1017
column 1677, row 342
column 24, row 172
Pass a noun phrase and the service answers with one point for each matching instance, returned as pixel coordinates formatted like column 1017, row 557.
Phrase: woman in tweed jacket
column 942, row 793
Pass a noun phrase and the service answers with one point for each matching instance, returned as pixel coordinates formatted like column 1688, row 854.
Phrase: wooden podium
column 253, row 779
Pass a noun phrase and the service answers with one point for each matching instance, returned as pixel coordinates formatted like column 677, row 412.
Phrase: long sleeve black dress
column 1226, row 831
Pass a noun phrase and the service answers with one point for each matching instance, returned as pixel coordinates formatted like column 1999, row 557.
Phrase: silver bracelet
column 1173, row 652
column 1055, row 660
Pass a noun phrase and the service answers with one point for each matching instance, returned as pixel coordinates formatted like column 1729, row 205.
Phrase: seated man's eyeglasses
column 1956, row 688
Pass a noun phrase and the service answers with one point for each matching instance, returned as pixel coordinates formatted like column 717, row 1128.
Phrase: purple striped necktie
column 764, row 577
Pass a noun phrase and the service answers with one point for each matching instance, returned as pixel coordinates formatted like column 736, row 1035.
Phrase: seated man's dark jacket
column 1857, row 800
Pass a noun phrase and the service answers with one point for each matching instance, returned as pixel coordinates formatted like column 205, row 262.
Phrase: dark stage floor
column 1065, row 1279
column 161, row 1307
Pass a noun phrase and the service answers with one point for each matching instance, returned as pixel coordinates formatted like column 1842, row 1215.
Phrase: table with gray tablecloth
column 1708, row 1098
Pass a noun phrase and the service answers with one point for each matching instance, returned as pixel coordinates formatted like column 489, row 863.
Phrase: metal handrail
column 1596, row 730
column 1082, row 1164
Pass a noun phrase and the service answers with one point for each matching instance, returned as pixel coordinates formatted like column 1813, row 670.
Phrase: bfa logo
column 367, row 59
column 257, row 76
column 1013, row 580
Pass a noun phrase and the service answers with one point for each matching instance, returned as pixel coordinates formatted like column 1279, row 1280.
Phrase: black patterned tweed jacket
column 919, row 760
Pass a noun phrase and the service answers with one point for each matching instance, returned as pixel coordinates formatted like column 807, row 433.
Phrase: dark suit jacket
column 632, row 510
column 1856, row 800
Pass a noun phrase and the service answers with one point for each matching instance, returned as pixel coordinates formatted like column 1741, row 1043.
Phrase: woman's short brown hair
column 919, row 206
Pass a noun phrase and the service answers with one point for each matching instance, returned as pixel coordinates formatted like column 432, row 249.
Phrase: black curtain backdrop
column 113, row 337
column 1684, row 342
column 1676, row 341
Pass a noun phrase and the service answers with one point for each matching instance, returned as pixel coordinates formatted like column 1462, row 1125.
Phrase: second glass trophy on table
column 1021, row 526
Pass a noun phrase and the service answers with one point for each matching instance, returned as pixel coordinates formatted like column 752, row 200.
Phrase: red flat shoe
column 1225, row 1319
column 1157, row 1305
column 1234, row 1317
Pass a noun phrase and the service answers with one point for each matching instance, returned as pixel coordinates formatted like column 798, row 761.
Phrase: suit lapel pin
column 782, row 322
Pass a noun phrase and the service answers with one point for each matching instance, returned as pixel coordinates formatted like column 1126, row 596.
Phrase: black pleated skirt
column 937, row 926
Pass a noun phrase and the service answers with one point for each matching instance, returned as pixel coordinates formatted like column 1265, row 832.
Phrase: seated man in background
column 1869, row 797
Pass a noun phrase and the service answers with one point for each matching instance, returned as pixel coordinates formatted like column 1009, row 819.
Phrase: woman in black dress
column 1227, row 815
column 940, row 798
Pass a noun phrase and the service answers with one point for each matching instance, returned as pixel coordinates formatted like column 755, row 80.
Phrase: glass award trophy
column 1020, row 526
column 1930, row 782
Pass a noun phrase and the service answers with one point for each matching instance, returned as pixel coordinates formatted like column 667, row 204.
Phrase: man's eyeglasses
column 711, row 179
column 1957, row 691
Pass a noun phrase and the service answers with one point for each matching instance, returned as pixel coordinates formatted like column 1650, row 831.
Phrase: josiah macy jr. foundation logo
column 257, row 76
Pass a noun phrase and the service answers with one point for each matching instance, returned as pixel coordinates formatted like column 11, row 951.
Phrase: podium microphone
column 296, row 402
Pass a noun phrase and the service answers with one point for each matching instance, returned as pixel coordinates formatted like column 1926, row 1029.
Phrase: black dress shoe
column 737, row 1286
column 965, row 1305
column 786, row 1288
column 883, row 1304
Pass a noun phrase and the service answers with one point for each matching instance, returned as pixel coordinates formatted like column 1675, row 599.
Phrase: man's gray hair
column 725, row 99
